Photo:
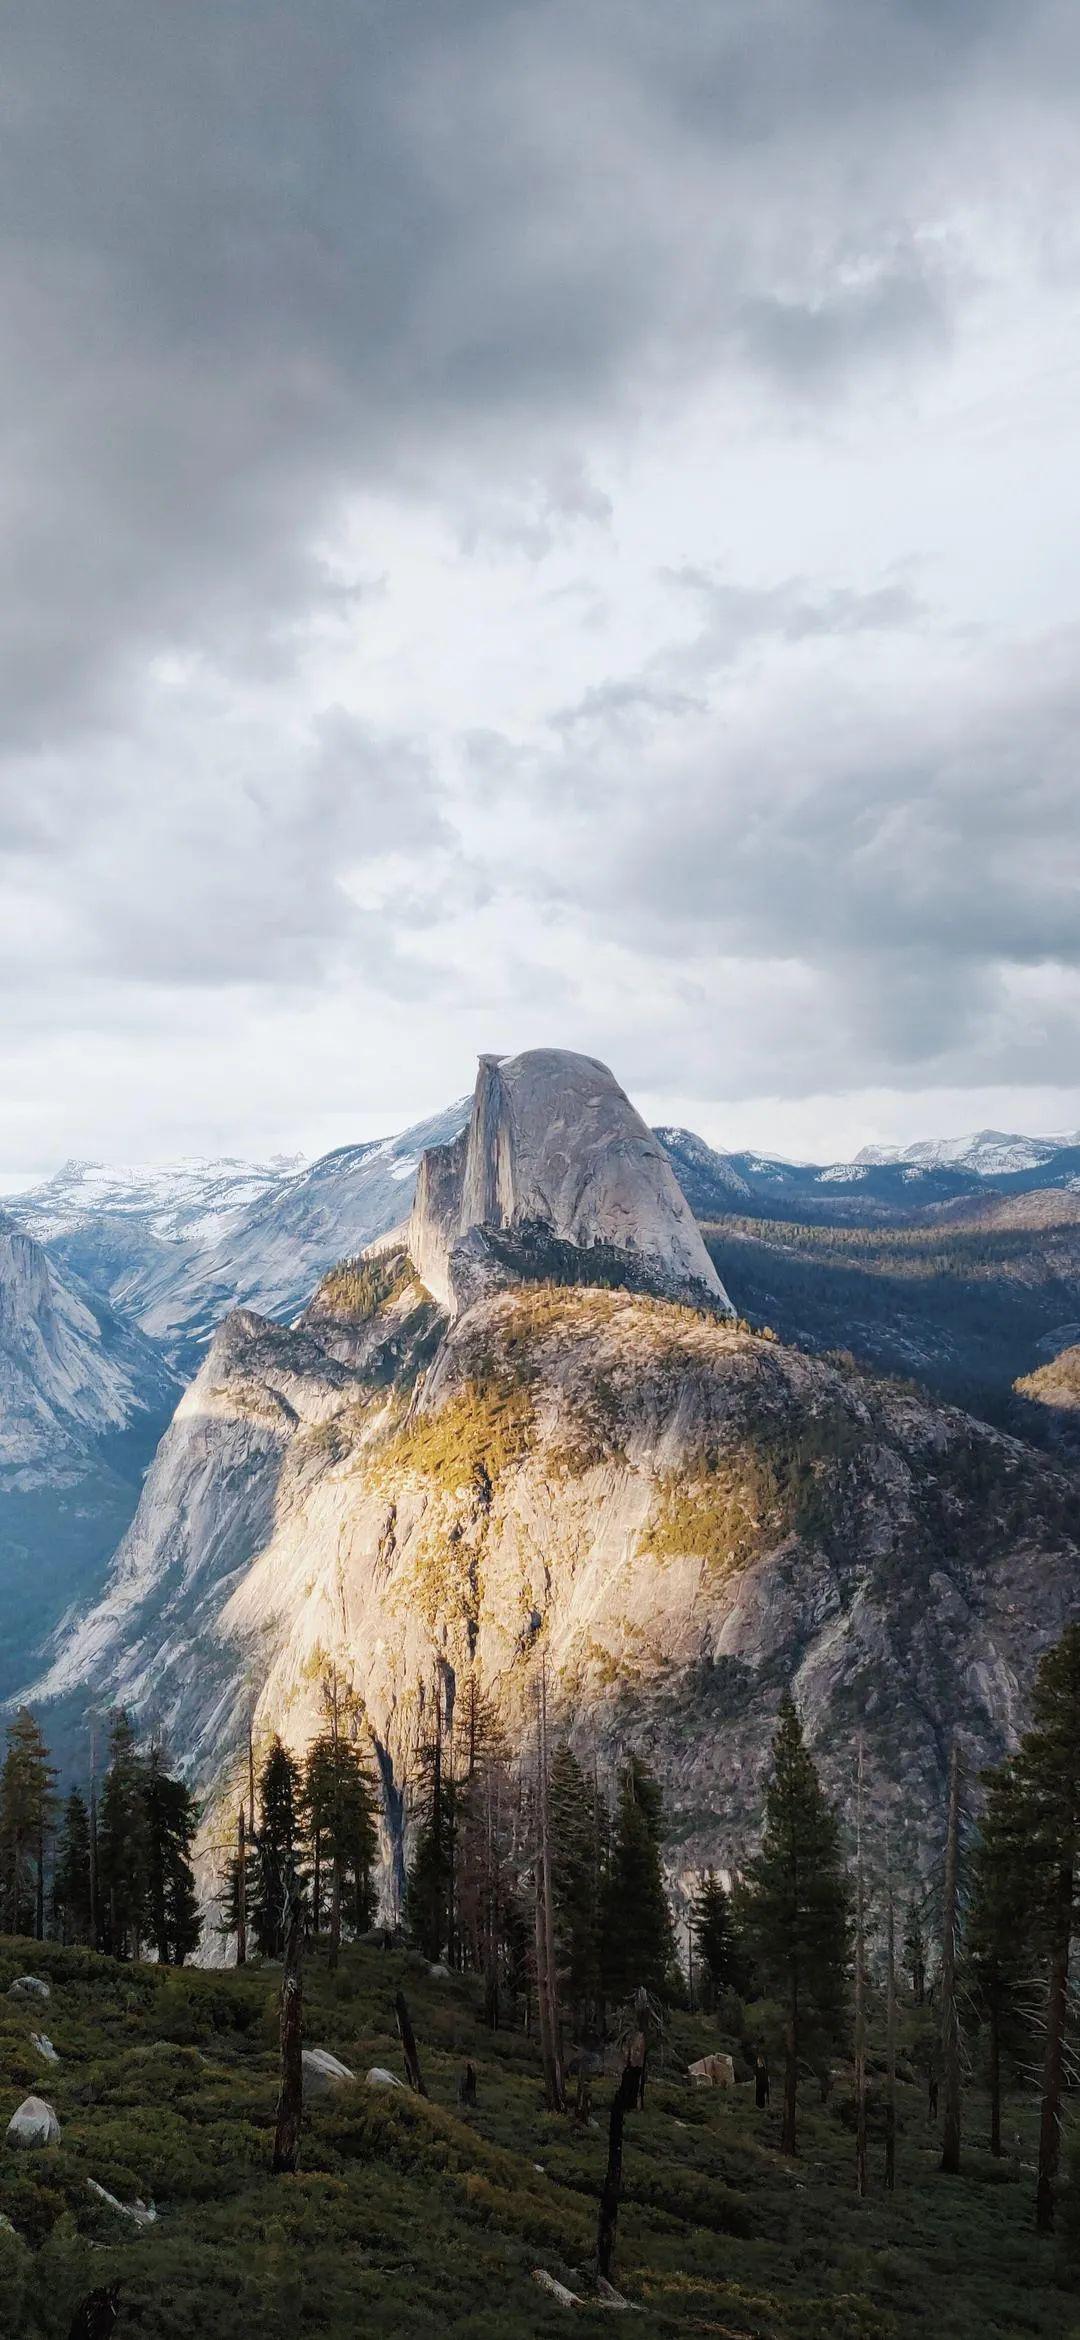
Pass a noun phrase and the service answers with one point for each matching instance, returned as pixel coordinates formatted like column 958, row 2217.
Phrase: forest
column 897, row 2051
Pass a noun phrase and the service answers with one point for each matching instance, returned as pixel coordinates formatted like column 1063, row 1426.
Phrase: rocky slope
column 967, row 1299
column 686, row 1519
column 83, row 1398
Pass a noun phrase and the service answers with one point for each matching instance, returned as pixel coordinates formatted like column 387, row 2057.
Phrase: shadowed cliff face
column 685, row 1519
column 554, row 1159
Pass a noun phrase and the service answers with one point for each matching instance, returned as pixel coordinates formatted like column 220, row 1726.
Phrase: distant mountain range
column 173, row 1246
column 955, row 1262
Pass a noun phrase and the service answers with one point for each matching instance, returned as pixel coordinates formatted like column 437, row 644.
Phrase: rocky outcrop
column 556, row 1175
column 684, row 1519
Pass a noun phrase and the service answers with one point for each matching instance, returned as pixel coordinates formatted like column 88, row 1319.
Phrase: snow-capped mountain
column 83, row 1399
column 988, row 1153
column 190, row 1200
column 174, row 1247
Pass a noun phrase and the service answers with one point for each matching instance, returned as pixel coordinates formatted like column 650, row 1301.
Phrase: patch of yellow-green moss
column 483, row 1430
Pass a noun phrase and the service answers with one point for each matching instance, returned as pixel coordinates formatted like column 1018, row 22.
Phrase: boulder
column 140, row 2213
column 323, row 2075
column 44, row 2046
column 439, row 1972
column 379, row 2077
column 713, row 2072
column 34, row 2123
column 30, row 1986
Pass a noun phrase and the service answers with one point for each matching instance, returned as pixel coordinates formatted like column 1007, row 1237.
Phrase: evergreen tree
column 638, row 1938
column 915, row 1946
column 797, row 1904
column 715, row 1936
column 1045, row 1782
column 275, row 1873
column 430, row 1891
column 27, row 1815
column 339, row 1815
column 71, row 1875
column 124, row 1845
column 174, row 1923
column 996, row 1933
column 578, row 1826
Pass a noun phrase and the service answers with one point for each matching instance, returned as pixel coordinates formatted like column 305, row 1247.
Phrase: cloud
column 404, row 599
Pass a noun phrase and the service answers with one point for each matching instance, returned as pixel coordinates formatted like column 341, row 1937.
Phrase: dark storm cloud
column 261, row 260
column 256, row 255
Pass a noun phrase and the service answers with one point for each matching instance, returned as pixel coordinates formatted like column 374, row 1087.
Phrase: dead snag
column 408, row 2045
column 290, row 2105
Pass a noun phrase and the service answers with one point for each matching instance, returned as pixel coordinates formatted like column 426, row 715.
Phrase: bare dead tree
column 623, row 2101
column 241, row 1889
column 890, row 2018
column 407, row 2037
column 950, row 2018
column 860, row 1984
column 547, row 2006
column 290, row 2104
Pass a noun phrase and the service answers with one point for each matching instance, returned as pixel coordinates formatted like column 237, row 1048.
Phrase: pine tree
column 27, row 1817
column 997, row 1933
column 173, row 1919
column 638, row 1940
column 915, row 1946
column 1046, row 1781
column 578, row 1831
column 797, row 1907
column 276, row 1873
column 72, row 1913
column 339, row 1815
column 715, row 1937
column 124, row 1845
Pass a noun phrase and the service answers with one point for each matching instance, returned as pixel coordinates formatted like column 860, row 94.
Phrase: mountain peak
column 554, row 1172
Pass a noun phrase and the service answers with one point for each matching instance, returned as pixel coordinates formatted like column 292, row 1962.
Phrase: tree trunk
column 316, row 1886
column 95, row 1927
column 791, row 2067
column 625, row 2096
column 290, row 2104
column 407, row 2037
column 335, row 1912
column 1057, row 2007
column 241, row 1889
column 890, row 2024
column 860, row 1988
column 551, row 1983
column 950, row 2020
column 995, row 2073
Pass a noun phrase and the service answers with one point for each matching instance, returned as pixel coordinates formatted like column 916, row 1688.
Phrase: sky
column 534, row 524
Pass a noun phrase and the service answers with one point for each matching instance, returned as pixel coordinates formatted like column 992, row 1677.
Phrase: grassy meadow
column 411, row 2219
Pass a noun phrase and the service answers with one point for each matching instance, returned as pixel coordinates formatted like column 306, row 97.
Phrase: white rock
column 716, row 2071
column 34, row 2124
column 555, row 1146
column 30, row 1986
column 439, row 1972
column 379, row 2077
column 323, row 2074
column 140, row 2213
column 44, row 2046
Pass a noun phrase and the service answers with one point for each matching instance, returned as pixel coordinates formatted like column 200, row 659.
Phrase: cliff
column 684, row 1518
column 556, row 1176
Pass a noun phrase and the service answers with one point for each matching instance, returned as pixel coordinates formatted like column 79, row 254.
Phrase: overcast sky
column 548, row 523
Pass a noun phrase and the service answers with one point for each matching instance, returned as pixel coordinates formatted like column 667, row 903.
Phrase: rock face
column 554, row 1161
column 83, row 1400
column 685, row 1519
